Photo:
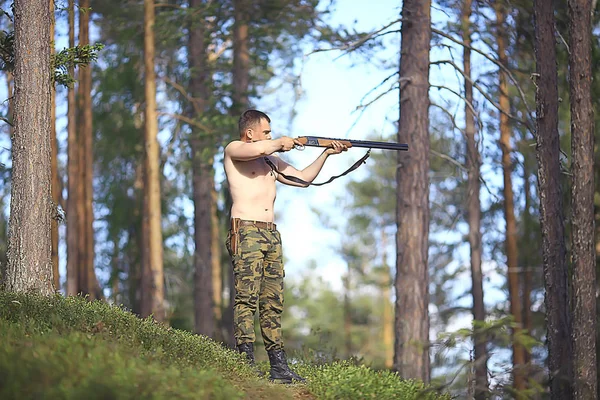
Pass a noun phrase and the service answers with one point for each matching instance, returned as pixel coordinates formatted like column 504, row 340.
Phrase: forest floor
column 71, row 348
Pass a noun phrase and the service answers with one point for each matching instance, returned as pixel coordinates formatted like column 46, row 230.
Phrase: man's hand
column 337, row 148
column 287, row 143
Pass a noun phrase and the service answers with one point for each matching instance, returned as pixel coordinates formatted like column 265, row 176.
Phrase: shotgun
column 317, row 141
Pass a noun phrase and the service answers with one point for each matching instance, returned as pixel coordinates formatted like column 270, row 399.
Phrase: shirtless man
column 254, row 243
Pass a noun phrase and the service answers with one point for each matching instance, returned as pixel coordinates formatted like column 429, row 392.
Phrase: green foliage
column 7, row 52
column 73, row 57
column 344, row 380
column 80, row 349
column 61, row 62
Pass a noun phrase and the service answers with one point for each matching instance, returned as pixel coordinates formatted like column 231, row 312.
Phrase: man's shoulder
column 234, row 143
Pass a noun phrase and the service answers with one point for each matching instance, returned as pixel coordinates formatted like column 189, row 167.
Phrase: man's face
column 260, row 131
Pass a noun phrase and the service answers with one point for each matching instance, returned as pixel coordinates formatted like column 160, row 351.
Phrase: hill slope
column 69, row 348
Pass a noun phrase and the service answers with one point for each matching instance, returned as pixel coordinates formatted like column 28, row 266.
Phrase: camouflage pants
column 258, row 278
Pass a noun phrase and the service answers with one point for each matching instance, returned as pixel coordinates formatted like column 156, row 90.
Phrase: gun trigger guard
column 299, row 147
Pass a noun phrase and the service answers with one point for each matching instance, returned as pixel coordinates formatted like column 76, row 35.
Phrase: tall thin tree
column 411, row 357
column 551, row 210
column 56, row 186
column 88, row 282
column 240, row 101
column 29, row 266
column 510, row 243
column 387, row 328
column 203, row 150
column 473, row 163
column 582, row 190
column 152, row 279
column 73, row 174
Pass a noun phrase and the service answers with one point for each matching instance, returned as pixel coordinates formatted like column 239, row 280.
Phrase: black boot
column 248, row 348
column 280, row 371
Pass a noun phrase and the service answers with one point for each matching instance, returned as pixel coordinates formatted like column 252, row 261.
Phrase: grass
column 70, row 348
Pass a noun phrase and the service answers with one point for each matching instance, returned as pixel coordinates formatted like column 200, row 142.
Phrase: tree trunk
column 388, row 311
column 88, row 283
column 153, row 292
column 73, row 172
column 551, row 210
column 527, row 273
column 582, row 190
column 217, row 280
column 347, row 316
column 241, row 79
column 474, row 213
column 202, row 180
column 56, row 186
column 29, row 266
column 241, row 56
column 411, row 358
column 512, row 258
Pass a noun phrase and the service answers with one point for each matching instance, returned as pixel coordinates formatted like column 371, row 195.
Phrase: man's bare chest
column 256, row 169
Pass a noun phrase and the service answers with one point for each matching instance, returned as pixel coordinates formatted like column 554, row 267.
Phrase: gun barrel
column 317, row 141
column 379, row 145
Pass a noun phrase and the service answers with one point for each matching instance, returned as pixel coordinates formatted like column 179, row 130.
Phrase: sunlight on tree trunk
column 88, row 283
column 73, row 240
column 473, row 162
column 388, row 311
column 514, row 287
column 56, row 186
column 153, row 281
column 29, row 266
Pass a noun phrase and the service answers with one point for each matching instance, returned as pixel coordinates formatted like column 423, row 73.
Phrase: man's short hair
column 250, row 118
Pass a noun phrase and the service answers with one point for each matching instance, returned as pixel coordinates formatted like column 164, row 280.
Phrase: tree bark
column 202, row 180
column 29, row 266
column 411, row 357
column 582, row 190
column 512, row 254
column 473, row 163
column 73, row 172
column 241, row 56
column 217, row 279
column 56, row 186
column 388, row 311
column 526, row 259
column 551, row 210
column 88, row 282
column 153, row 291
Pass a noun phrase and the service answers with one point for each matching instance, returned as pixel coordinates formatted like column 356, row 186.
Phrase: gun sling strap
column 304, row 183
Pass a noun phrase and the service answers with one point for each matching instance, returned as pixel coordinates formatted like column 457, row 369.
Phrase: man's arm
column 242, row 151
column 309, row 173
